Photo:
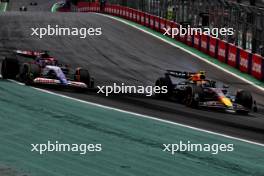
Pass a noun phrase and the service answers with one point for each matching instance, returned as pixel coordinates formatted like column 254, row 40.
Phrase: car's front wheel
column 10, row 68
column 244, row 98
column 29, row 72
column 83, row 75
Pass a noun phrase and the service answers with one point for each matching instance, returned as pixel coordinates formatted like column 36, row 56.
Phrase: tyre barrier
column 225, row 52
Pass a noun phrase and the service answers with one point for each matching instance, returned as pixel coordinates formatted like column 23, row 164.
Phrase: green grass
column 132, row 145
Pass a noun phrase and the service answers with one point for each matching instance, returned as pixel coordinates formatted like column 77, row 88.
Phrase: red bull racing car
column 39, row 68
column 194, row 90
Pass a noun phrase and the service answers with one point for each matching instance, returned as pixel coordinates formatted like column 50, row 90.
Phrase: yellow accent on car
column 226, row 101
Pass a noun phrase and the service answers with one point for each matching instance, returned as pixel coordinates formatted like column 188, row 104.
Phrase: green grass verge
column 132, row 145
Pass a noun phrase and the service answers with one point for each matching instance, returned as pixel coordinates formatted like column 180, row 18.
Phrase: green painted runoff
column 132, row 145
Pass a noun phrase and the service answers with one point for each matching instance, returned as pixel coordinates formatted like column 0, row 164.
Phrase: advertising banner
column 222, row 50
column 196, row 41
column 244, row 61
column 232, row 58
column 151, row 21
column 130, row 14
column 157, row 23
column 183, row 38
column 204, row 43
column 138, row 17
column 142, row 18
column 213, row 46
column 147, row 20
column 162, row 25
column 189, row 40
column 257, row 69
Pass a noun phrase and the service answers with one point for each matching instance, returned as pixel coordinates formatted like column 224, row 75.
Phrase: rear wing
column 184, row 75
column 31, row 54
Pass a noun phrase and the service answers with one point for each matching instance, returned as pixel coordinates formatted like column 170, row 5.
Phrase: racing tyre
column 83, row 75
column 29, row 73
column 190, row 98
column 244, row 98
column 10, row 68
column 161, row 82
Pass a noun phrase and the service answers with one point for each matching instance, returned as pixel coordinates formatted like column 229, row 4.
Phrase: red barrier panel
column 113, row 10
column 176, row 25
column 120, row 11
column 204, row 43
column 134, row 16
column 135, row 13
column 212, row 46
column 189, row 40
column 124, row 10
column 117, row 10
column 97, row 7
column 244, row 61
column 162, row 25
column 83, row 4
column 147, row 20
column 126, row 13
column 222, row 49
column 92, row 7
column 169, row 25
column 142, row 18
column 139, row 17
column 157, row 21
column 232, row 56
column 196, row 41
column 110, row 10
column 106, row 9
column 151, row 21
column 183, row 38
column 257, row 67
column 130, row 14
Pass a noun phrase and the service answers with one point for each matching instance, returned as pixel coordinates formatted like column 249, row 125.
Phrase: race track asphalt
column 125, row 55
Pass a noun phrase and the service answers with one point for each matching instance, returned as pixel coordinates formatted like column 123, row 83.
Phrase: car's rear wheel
column 10, row 68
column 189, row 99
column 244, row 98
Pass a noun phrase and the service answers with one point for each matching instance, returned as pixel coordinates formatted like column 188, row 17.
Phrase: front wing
column 47, row 81
column 220, row 106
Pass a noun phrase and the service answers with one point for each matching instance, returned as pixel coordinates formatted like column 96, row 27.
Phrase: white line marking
column 142, row 115
column 193, row 54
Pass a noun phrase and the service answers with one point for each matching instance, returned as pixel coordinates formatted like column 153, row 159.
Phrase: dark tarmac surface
column 125, row 55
